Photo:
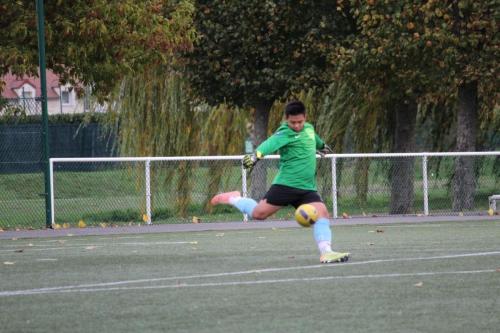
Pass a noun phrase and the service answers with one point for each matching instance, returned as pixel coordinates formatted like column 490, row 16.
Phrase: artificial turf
column 420, row 277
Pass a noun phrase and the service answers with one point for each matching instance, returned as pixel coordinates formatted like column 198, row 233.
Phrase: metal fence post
column 425, row 185
column 45, row 113
column 148, row 191
column 334, row 186
column 52, row 195
column 244, row 188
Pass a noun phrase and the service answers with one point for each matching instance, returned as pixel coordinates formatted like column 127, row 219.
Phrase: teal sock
column 323, row 235
column 245, row 205
column 322, row 231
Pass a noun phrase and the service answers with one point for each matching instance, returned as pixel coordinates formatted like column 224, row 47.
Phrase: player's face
column 296, row 122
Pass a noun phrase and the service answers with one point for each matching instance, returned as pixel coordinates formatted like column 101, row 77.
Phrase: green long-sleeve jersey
column 297, row 152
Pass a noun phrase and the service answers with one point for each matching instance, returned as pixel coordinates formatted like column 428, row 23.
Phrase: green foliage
column 68, row 118
column 254, row 51
column 422, row 49
column 94, row 43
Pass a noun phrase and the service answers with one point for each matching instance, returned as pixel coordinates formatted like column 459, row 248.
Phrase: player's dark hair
column 294, row 108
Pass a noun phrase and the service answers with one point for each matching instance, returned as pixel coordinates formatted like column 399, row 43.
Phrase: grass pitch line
column 433, row 225
column 95, row 245
column 225, row 274
column 243, row 283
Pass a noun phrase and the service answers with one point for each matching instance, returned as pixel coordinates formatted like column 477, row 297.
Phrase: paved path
column 233, row 226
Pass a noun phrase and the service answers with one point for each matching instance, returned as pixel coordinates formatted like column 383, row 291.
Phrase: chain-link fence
column 124, row 191
column 22, row 201
column 427, row 184
column 21, row 107
column 22, row 190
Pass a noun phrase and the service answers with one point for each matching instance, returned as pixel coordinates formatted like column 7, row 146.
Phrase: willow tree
column 153, row 114
column 251, row 53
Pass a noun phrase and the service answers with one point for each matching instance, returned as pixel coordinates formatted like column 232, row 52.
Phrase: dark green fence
column 21, row 168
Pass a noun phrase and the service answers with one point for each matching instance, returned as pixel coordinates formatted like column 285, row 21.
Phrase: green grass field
column 421, row 277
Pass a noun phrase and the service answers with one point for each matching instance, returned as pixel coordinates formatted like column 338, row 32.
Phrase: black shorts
column 281, row 195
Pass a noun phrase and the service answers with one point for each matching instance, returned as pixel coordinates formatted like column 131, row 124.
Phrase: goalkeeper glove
column 325, row 150
column 250, row 160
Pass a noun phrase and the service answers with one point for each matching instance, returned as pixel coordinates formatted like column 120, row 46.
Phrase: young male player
column 297, row 142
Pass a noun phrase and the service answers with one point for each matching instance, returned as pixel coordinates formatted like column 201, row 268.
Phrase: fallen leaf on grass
column 498, row 270
column 379, row 230
column 419, row 284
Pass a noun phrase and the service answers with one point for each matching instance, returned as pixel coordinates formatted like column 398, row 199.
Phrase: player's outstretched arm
column 325, row 150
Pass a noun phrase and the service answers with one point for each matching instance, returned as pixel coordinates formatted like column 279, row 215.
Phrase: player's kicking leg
column 258, row 211
column 244, row 205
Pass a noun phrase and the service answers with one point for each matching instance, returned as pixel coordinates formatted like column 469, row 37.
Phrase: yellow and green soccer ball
column 306, row 215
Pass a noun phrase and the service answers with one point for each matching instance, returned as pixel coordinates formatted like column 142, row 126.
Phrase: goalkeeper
column 295, row 184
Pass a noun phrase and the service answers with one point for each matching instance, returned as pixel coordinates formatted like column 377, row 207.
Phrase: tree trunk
column 402, row 168
column 361, row 181
column 259, row 174
column 464, row 182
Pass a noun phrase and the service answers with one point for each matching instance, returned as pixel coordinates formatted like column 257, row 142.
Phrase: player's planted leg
column 323, row 237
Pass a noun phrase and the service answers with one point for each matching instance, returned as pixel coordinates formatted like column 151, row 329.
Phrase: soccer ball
column 306, row 215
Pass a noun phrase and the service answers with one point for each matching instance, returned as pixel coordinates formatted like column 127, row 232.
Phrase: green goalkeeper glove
column 250, row 160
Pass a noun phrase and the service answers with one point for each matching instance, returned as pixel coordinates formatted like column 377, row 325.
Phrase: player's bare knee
column 321, row 208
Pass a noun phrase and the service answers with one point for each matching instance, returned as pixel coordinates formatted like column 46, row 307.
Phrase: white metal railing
column 424, row 157
column 333, row 157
